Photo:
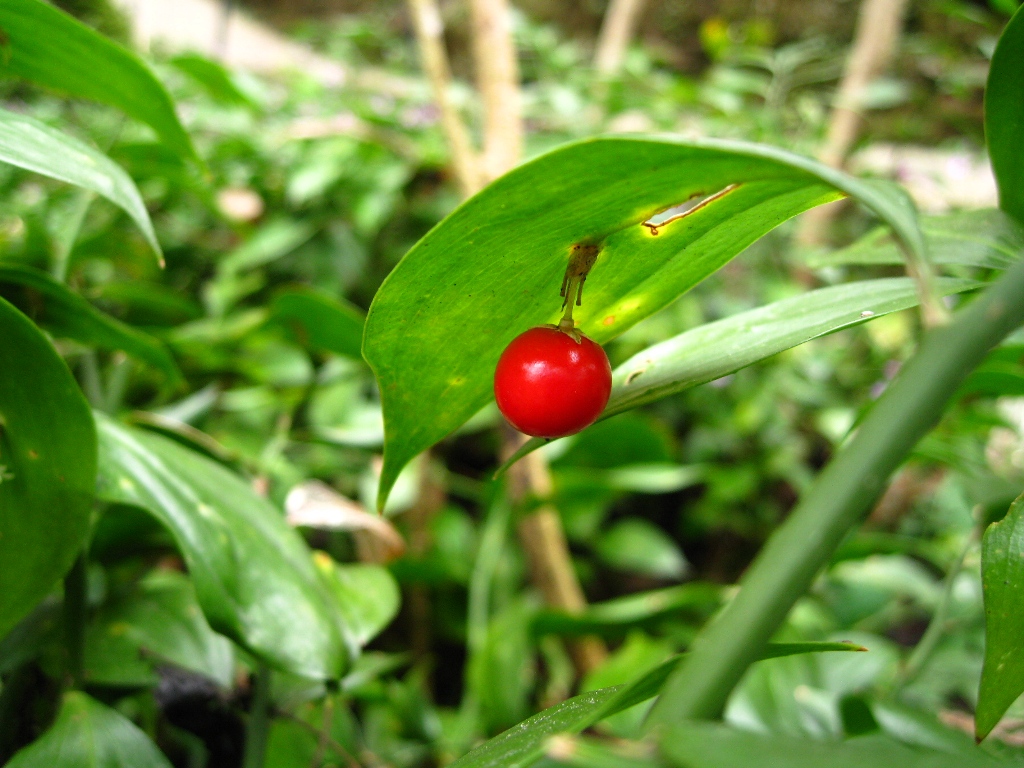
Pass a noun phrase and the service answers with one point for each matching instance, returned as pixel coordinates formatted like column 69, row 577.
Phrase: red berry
column 549, row 385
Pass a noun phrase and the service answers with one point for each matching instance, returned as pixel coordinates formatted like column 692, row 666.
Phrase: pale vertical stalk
column 547, row 551
column 874, row 43
column 430, row 35
column 497, row 75
column 617, row 30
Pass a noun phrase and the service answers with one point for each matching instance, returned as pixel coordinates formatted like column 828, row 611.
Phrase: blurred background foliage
column 326, row 187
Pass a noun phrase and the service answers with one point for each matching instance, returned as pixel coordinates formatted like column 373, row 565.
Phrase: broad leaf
column 705, row 745
column 494, row 267
column 88, row 734
column 983, row 238
column 66, row 314
column 1002, row 575
column 1004, row 116
column 713, row 350
column 366, row 595
column 35, row 146
column 158, row 623
column 253, row 574
column 49, row 47
column 47, row 466
column 523, row 744
column 321, row 321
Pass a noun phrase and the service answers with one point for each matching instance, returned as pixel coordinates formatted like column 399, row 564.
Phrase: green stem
column 74, row 619
column 68, row 234
column 838, row 500
column 258, row 727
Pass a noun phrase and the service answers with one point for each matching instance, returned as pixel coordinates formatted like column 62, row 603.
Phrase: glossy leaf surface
column 493, row 268
column 1004, row 116
column 366, row 595
column 253, row 574
column 523, row 744
column 158, row 623
column 703, row 745
column 51, row 48
column 1002, row 575
column 47, row 466
column 66, row 314
column 88, row 734
column 713, row 350
column 35, row 146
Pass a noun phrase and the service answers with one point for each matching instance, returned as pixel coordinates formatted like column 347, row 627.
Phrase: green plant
column 157, row 606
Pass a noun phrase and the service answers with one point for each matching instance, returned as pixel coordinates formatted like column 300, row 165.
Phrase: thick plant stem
column 875, row 41
column 617, row 30
column 258, row 727
column 838, row 500
column 429, row 27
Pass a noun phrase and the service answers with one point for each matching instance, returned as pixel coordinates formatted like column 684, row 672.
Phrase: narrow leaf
column 713, row 350
column 523, row 744
column 321, row 321
column 494, row 267
column 254, row 576
column 1004, row 116
column 703, row 745
column 983, row 238
column 66, row 314
column 49, row 47
column 35, row 146
column 47, row 466
column 1002, row 575
column 88, row 734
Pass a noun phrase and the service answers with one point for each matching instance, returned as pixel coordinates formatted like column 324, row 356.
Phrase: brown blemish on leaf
column 687, row 209
column 608, row 320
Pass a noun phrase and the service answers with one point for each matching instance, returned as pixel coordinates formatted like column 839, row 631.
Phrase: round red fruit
column 547, row 384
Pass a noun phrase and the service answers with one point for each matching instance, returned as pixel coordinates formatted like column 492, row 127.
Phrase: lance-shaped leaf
column 706, row 745
column 1004, row 116
column 35, row 146
column 493, row 268
column 49, row 47
column 983, row 238
column 1002, row 576
column 66, row 314
column 716, row 349
column 47, row 466
column 88, row 734
column 254, row 576
column 523, row 744
column 321, row 321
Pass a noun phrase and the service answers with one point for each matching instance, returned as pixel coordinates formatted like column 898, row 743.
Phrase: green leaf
column 35, row 146
column 66, row 314
column 47, row 466
column 159, row 623
column 367, row 596
column 493, row 268
column 634, row 544
column 89, row 735
column 1004, row 116
column 254, row 576
column 214, row 78
column 631, row 610
column 704, row 745
column 1002, row 575
column 523, row 744
column 321, row 321
column 983, row 238
column 713, row 350
column 49, row 47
